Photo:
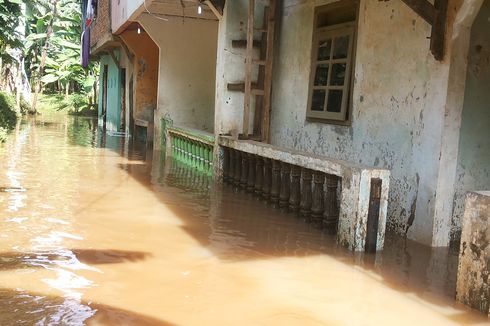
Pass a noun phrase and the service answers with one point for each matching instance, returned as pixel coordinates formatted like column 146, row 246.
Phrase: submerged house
column 394, row 92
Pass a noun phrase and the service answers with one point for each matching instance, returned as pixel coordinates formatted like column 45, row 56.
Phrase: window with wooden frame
column 332, row 61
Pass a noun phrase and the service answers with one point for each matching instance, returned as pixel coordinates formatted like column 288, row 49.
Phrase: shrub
column 78, row 104
column 3, row 134
column 8, row 117
column 25, row 107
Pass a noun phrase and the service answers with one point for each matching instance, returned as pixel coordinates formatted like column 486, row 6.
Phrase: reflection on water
column 74, row 259
column 18, row 307
column 97, row 230
column 238, row 230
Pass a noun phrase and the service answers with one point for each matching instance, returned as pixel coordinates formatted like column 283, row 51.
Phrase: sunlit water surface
column 98, row 231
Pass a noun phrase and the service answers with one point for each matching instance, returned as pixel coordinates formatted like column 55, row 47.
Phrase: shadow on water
column 28, row 308
column 19, row 260
column 242, row 227
column 235, row 226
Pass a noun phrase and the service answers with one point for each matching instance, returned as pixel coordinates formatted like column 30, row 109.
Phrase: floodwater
column 96, row 231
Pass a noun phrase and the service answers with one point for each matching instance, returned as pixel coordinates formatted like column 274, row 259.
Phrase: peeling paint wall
column 399, row 96
column 146, row 60
column 473, row 283
column 187, row 72
column 473, row 170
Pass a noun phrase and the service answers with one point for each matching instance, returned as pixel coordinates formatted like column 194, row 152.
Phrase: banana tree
column 57, row 64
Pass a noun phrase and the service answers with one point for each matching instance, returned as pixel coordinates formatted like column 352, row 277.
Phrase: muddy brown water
column 98, row 231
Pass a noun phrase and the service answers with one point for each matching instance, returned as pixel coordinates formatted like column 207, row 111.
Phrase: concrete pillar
column 457, row 57
column 473, row 284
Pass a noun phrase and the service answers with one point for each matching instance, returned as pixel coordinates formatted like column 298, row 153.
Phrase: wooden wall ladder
column 261, row 89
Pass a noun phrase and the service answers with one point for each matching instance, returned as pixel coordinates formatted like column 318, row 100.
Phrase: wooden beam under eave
column 423, row 8
column 218, row 12
column 438, row 35
column 436, row 15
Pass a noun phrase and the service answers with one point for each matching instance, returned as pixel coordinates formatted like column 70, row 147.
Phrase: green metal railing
column 192, row 147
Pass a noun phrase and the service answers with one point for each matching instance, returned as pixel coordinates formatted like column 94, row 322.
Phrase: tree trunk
column 96, row 90
column 18, row 90
column 44, row 54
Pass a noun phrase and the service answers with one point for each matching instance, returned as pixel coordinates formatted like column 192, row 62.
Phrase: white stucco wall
column 186, row 90
column 231, row 66
column 399, row 94
column 123, row 11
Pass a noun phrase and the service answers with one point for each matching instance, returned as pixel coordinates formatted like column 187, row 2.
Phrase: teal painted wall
column 114, row 101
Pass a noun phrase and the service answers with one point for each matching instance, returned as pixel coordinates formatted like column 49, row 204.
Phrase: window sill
column 344, row 123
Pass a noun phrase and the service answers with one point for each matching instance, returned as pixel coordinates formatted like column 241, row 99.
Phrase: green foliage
column 50, row 102
column 78, row 102
column 75, row 104
column 3, row 134
column 62, row 69
column 8, row 118
column 63, row 64
column 9, row 20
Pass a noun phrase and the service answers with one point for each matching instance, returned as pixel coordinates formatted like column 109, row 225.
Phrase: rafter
column 216, row 6
column 434, row 14
column 423, row 8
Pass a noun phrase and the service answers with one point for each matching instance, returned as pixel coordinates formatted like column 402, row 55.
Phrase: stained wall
column 187, row 71
column 405, row 107
column 145, row 77
column 473, row 170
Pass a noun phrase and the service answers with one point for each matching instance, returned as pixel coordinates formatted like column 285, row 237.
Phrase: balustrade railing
column 343, row 198
column 192, row 147
column 337, row 196
column 311, row 194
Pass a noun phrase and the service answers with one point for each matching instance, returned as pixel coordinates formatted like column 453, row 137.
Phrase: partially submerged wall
column 473, row 284
column 473, row 171
column 187, row 72
column 398, row 107
column 113, row 116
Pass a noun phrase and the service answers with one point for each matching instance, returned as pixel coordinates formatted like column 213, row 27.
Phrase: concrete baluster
column 317, row 206
column 285, row 185
column 244, row 177
column 251, row 173
column 259, row 175
column 331, row 215
column 276, row 182
column 295, row 195
column 306, row 195
column 266, row 189
column 238, row 168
